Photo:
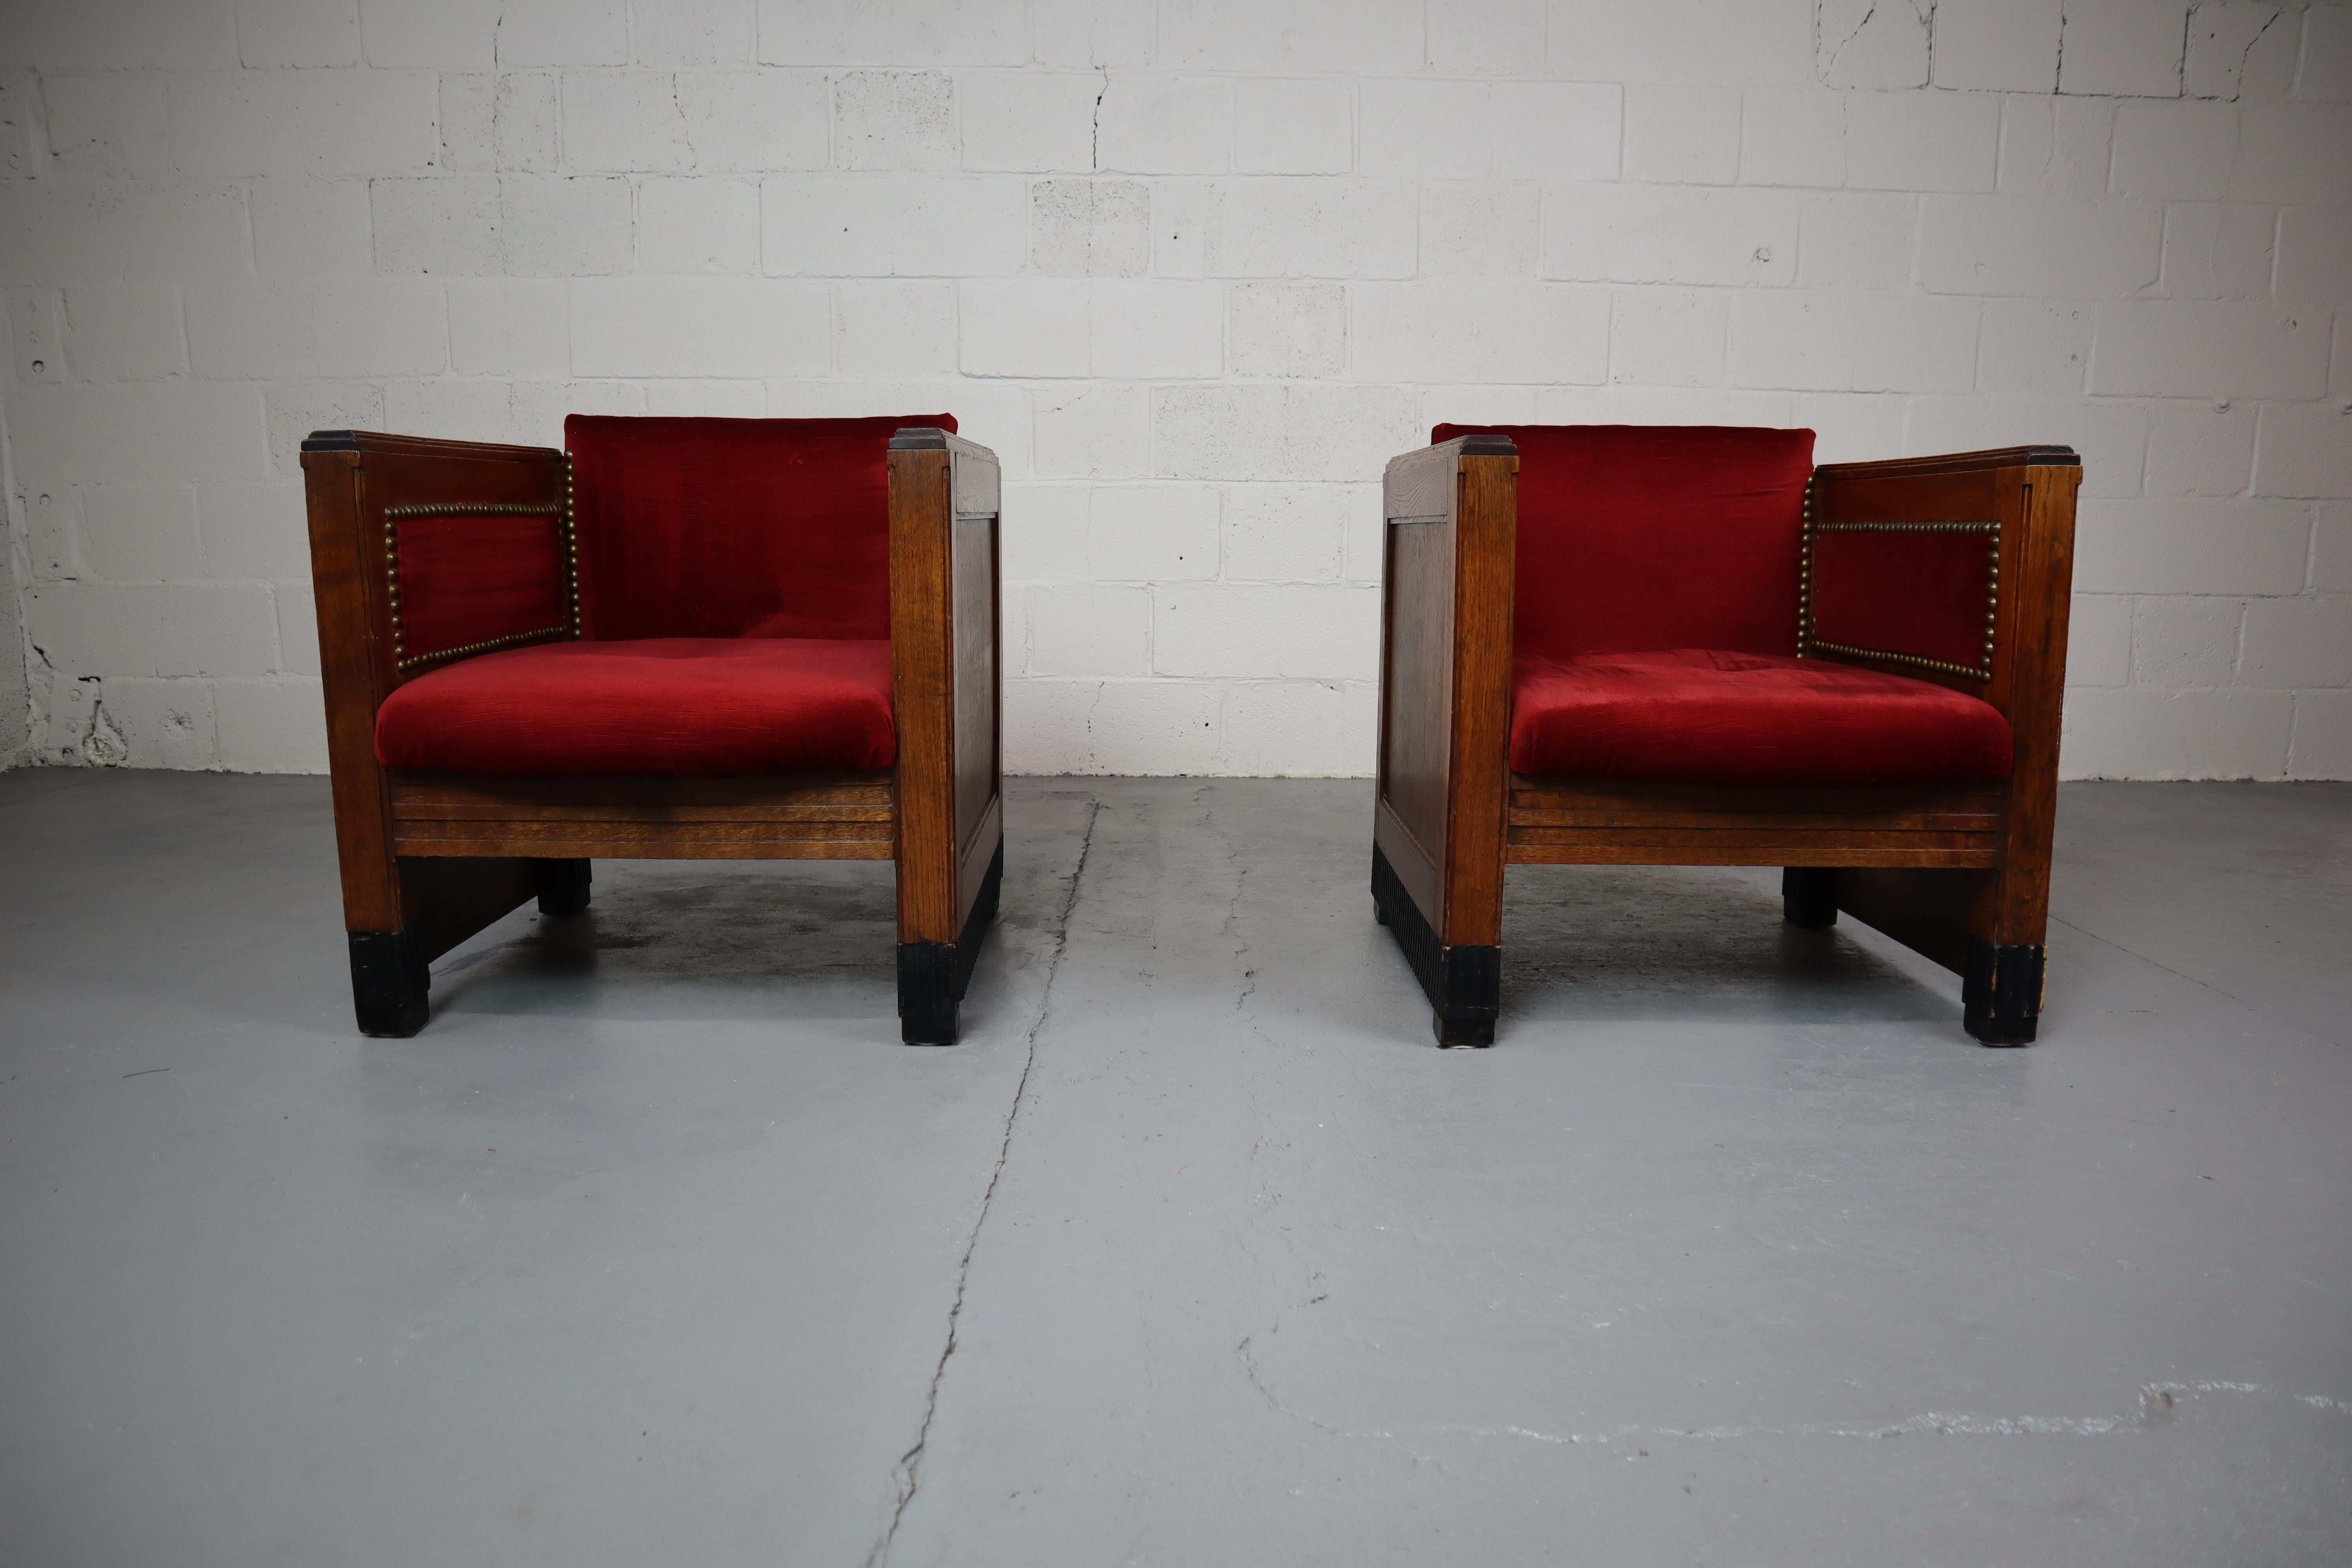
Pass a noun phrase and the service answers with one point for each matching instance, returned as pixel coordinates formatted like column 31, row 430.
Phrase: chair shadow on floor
column 692, row 941
column 1694, row 943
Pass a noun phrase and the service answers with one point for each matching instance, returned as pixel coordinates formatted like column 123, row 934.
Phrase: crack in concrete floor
column 909, row 1472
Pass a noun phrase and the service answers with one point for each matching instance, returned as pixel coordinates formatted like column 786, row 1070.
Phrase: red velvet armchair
column 679, row 639
column 1612, row 644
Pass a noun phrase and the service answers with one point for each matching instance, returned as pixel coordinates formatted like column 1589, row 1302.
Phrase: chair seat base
column 932, row 976
column 1464, row 985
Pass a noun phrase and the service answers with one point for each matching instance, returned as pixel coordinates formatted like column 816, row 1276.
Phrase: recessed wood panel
column 1417, row 696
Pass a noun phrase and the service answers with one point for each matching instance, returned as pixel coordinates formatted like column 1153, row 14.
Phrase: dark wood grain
column 945, row 631
column 436, row 793
column 1416, row 733
column 1950, row 463
column 354, row 651
column 819, row 816
column 1486, row 547
column 1446, row 619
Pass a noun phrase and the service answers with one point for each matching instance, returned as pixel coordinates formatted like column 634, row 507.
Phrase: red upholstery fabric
column 1656, row 537
column 671, row 705
column 720, row 528
column 1698, row 715
column 1920, row 594
column 472, row 579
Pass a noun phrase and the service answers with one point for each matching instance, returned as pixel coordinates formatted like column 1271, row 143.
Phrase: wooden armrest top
column 1420, row 483
column 416, row 445
column 1478, row 444
column 931, row 439
column 975, row 486
column 1955, row 463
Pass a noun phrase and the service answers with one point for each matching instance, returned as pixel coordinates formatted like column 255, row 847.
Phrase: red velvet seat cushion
column 710, row 705
column 1698, row 716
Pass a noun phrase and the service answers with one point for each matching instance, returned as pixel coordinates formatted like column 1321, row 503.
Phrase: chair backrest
column 1635, row 537
column 725, row 528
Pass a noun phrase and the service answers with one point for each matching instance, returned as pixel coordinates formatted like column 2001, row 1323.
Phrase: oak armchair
column 1688, row 645
column 678, row 638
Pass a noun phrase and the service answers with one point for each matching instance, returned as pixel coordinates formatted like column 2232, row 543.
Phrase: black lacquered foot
column 1454, row 1033
column 563, row 887
column 926, row 993
column 1809, row 896
column 932, row 976
column 2001, row 993
column 1464, row 985
column 388, row 985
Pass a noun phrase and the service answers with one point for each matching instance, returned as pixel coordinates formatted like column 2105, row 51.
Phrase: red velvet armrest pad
column 1926, row 594
column 467, row 580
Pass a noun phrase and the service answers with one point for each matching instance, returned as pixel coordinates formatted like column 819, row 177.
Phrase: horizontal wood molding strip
column 668, row 846
column 1955, row 463
column 651, row 840
column 419, row 446
column 1673, row 805
column 1829, row 850
column 1758, row 822
column 1775, row 837
column 468, row 811
column 642, row 790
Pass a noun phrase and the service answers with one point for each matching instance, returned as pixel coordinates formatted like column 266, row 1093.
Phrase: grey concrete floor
column 656, row 1248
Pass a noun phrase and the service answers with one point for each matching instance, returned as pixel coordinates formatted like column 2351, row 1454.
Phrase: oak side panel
column 1417, row 686
column 2037, row 594
column 354, row 653
column 1485, row 546
column 923, row 658
column 978, row 687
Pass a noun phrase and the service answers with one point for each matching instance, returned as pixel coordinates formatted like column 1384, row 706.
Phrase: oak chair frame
column 429, row 859
column 1960, row 873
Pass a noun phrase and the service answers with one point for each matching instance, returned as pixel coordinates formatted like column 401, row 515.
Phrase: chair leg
column 563, row 887
column 389, row 980
column 1464, row 985
column 1809, row 896
column 2001, row 992
column 933, row 975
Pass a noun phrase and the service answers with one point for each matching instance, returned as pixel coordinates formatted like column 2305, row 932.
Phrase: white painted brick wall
column 1196, row 268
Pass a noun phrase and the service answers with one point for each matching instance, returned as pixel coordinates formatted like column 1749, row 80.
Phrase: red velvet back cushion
column 1637, row 537
column 729, row 528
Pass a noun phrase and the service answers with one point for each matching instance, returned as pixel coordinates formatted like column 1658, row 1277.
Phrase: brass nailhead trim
column 570, row 549
column 393, row 515
column 1805, row 575
column 1911, row 659
column 471, row 509
column 1807, row 641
